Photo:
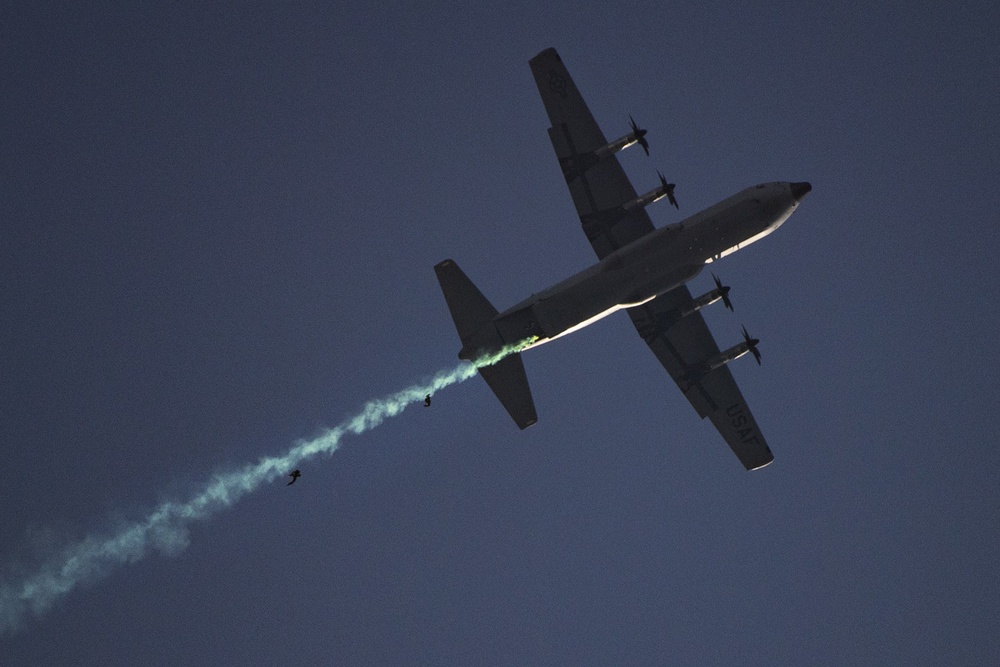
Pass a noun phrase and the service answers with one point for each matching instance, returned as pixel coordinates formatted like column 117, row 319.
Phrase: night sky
column 219, row 231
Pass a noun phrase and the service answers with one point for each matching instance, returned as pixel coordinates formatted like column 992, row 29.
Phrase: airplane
column 641, row 269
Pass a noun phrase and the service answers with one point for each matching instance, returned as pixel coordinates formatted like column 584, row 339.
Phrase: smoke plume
column 165, row 528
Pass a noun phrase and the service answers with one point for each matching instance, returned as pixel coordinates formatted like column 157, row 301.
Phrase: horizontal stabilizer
column 509, row 382
column 470, row 310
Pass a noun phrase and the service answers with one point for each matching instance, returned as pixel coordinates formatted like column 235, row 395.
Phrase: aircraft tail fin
column 473, row 315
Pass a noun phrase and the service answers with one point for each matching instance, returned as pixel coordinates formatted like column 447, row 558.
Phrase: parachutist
column 427, row 401
column 295, row 474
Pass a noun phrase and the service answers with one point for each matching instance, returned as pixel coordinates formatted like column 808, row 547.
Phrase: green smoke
column 165, row 529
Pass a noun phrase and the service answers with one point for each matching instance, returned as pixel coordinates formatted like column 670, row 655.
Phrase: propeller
column 640, row 135
column 723, row 292
column 752, row 345
column 668, row 188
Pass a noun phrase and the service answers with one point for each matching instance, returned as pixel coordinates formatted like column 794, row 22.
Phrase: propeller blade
column 668, row 189
column 752, row 345
column 639, row 134
column 723, row 292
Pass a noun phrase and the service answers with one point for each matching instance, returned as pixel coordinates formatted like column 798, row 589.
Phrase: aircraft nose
column 800, row 190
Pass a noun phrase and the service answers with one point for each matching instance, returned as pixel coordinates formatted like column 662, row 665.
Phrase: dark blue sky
column 219, row 233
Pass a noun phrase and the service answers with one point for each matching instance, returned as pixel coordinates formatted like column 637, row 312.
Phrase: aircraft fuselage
column 650, row 266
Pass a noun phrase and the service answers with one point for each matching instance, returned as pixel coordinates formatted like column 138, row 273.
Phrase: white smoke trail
column 165, row 528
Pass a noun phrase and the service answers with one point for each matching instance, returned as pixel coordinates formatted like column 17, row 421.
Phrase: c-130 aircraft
column 641, row 269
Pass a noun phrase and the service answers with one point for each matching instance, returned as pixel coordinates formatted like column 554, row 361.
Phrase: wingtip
column 761, row 465
column 550, row 52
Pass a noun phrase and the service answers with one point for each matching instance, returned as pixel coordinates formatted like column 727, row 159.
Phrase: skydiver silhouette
column 427, row 401
column 295, row 474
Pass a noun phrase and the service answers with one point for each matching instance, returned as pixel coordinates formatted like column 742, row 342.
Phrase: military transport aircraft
column 641, row 269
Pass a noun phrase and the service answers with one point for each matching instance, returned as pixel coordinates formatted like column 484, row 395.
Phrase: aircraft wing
column 598, row 188
column 679, row 344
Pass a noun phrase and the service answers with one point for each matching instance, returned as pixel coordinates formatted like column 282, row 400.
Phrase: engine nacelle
column 578, row 164
column 726, row 356
column 696, row 373
column 654, row 195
